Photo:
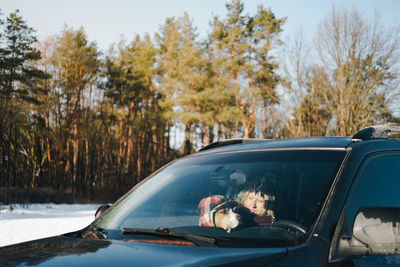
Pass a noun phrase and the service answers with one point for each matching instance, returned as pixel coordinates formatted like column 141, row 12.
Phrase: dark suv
column 321, row 201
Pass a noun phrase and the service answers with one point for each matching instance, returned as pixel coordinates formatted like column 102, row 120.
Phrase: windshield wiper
column 167, row 232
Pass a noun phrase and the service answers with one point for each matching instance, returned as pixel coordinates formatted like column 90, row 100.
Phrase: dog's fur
column 226, row 219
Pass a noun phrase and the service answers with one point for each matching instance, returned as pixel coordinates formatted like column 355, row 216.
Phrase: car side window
column 376, row 185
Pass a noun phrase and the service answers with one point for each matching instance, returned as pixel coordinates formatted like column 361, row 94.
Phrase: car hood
column 72, row 251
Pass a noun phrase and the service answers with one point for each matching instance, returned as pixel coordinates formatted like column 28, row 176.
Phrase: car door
column 376, row 187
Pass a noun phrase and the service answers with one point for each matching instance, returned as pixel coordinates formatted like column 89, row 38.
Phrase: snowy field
column 23, row 223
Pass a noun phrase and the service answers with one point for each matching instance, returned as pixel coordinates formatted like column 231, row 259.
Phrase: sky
column 107, row 21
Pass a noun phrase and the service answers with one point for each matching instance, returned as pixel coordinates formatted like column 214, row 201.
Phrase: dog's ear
column 230, row 204
column 246, row 216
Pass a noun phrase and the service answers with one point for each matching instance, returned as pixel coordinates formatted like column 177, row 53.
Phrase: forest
column 78, row 121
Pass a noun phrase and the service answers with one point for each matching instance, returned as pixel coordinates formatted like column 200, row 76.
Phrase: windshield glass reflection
column 269, row 192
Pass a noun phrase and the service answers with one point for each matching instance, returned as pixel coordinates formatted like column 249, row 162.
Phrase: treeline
column 92, row 123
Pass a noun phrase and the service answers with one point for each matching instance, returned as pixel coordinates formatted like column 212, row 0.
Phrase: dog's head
column 226, row 218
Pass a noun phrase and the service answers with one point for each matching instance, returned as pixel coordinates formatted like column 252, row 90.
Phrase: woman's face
column 255, row 203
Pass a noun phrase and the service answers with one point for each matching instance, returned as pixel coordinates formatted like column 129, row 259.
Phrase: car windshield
column 249, row 198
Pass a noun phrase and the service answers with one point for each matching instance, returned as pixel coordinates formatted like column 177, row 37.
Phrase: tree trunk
column 75, row 157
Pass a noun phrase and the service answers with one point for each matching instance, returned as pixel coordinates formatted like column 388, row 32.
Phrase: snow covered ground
column 23, row 223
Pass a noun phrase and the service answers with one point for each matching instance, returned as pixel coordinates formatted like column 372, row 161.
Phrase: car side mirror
column 100, row 210
column 376, row 231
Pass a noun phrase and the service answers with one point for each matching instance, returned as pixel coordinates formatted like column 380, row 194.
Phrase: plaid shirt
column 207, row 209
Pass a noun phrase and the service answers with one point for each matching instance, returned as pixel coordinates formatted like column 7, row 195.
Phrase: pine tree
column 139, row 125
column 76, row 64
column 17, row 93
column 245, row 68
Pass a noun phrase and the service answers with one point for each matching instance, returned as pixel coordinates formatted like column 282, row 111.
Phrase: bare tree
column 356, row 69
column 304, row 109
column 346, row 80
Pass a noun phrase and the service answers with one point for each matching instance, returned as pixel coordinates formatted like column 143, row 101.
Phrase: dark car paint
column 357, row 152
column 73, row 251
column 314, row 252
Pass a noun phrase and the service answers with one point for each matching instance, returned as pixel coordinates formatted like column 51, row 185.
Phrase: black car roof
column 369, row 135
column 253, row 144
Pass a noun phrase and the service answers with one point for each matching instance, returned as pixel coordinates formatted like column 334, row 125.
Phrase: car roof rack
column 376, row 132
column 228, row 142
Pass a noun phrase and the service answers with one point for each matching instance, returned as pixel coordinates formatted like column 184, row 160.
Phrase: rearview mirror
column 376, row 231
